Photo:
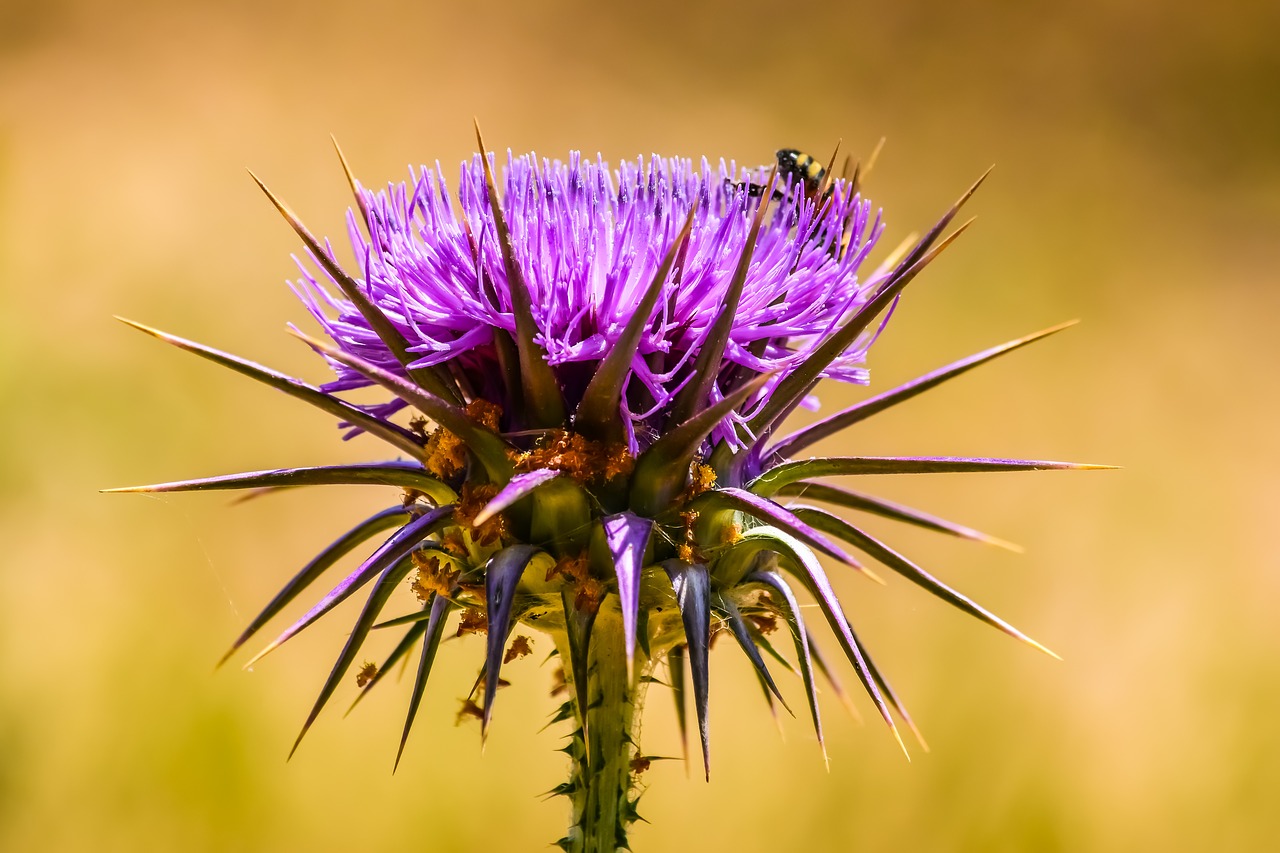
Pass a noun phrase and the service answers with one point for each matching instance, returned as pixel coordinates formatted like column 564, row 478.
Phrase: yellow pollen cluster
column 484, row 413
column 446, row 455
column 702, row 478
column 586, row 461
column 730, row 534
column 687, row 548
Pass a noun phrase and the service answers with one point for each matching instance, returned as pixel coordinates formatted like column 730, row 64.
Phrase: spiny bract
column 599, row 362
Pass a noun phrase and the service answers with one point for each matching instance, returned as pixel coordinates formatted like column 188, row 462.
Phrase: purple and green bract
column 596, row 364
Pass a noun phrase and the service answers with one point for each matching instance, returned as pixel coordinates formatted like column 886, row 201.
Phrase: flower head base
column 599, row 362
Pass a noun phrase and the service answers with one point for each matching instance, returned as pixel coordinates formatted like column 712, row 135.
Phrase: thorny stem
column 601, row 785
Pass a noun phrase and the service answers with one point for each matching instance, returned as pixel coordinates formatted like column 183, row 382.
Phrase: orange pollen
column 432, row 578
column 366, row 674
column 446, row 455
column 471, row 500
column 453, row 542
column 587, row 462
column 484, row 413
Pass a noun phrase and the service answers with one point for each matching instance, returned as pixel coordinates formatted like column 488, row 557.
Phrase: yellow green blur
column 1137, row 186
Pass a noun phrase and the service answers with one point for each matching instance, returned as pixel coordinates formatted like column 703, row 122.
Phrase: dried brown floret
column 520, row 647
column 453, row 542
column 473, row 621
column 588, row 591
column 573, row 568
column 433, row 576
column 469, row 709
column 366, row 674
column 687, row 548
column 590, row 594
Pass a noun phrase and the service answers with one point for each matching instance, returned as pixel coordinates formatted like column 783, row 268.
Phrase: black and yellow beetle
column 802, row 169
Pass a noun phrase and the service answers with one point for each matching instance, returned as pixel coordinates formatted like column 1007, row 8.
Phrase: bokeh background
column 1137, row 188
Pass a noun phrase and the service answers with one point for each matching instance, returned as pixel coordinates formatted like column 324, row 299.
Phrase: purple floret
column 589, row 241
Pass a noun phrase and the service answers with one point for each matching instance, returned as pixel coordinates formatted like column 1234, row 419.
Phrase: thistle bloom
column 597, row 363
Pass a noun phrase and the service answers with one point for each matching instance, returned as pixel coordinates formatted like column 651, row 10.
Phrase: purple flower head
column 588, row 240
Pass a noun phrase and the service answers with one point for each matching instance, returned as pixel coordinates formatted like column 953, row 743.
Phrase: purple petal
column 404, row 540
column 771, row 513
column 387, row 583
column 692, row 585
column 408, row 475
column 775, row 478
column 805, row 565
column 799, row 633
column 396, row 436
column 627, row 536
column 319, row 565
column 440, row 607
column 501, row 576
column 519, row 486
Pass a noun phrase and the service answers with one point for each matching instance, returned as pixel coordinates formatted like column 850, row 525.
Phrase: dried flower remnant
column 595, row 365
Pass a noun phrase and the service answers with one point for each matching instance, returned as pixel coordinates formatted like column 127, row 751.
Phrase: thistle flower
column 598, row 363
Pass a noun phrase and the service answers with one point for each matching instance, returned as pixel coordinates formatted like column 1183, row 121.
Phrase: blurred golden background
column 1137, row 187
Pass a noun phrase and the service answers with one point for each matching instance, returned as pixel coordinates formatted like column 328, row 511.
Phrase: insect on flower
column 794, row 167
column 596, row 365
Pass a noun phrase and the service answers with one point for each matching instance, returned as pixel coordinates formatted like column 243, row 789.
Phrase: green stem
column 601, row 781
